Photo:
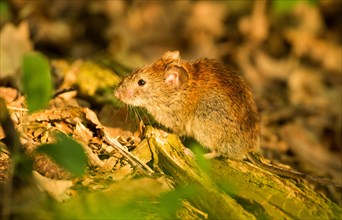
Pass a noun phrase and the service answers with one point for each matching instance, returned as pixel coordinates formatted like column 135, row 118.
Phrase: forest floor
column 290, row 55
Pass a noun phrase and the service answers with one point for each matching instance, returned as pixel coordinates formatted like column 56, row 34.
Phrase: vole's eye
column 141, row 82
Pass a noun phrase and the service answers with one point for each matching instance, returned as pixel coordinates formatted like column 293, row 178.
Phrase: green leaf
column 67, row 153
column 170, row 202
column 283, row 6
column 4, row 9
column 198, row 150
column 313, row 2
column 202, row 162
column 36, row 81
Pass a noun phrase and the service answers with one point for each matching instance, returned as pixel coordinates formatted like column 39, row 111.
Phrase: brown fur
column 202, row 99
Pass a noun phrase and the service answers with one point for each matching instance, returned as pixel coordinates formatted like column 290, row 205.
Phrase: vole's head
column 155, row 83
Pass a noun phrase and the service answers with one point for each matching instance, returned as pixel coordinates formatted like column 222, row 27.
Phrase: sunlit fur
column 215, row 106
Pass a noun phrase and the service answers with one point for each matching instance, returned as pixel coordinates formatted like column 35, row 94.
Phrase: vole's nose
column 117, row 93
column 123, row 93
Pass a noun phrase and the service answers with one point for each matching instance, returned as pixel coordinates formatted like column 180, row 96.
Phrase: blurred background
column 288, row 51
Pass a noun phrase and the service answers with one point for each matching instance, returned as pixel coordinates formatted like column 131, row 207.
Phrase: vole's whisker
column 127, row 112
column 136, row 113
column 146, row 116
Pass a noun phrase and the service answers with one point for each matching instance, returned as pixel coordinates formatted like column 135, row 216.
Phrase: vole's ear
column 173, row 55
column 175, row 76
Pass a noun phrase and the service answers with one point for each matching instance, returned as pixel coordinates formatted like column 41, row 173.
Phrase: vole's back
column 226, row 119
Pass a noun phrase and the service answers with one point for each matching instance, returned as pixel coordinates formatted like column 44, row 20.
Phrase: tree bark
column 237, row 189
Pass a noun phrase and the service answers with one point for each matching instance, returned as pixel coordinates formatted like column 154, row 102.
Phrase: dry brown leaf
column 323, row 51
column 8, row 94
column 204, row 26
column 4, row 162
column 256, row 26
column 57, row 189
column 309, row 18
column 251, row 73
column 118, row 122
column 306, row 87
column 273, row 68
column 305, row 144
column 56, row 32
column 47, row 167
column 14, row 43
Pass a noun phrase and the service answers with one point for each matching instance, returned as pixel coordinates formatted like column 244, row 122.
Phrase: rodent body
column 205, row 100
column 202, row 99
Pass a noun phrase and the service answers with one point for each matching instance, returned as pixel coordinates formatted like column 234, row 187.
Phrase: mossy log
column 237, row 189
